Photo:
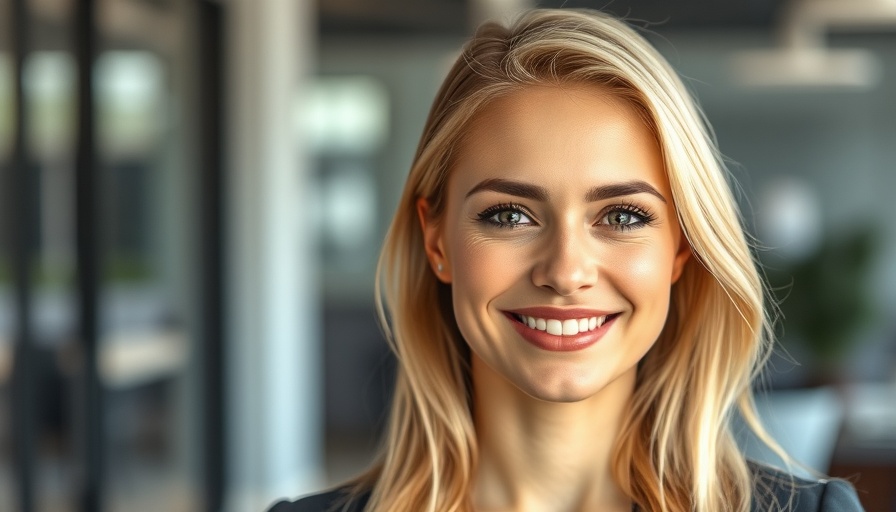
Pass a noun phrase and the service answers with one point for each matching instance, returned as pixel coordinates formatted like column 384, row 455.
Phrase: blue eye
column 620, row 218
column 505, row 216
column 623, row 217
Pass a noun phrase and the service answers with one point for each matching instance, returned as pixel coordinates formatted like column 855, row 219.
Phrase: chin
column 570, row 385
column 560, row 392
column 561, row 398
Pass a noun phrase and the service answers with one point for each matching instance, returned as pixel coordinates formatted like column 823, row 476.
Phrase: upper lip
column 559, row 313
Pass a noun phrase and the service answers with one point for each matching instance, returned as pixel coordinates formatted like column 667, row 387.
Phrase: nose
column 567, row 263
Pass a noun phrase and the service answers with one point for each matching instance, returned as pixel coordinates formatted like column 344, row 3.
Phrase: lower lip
column 554, row 343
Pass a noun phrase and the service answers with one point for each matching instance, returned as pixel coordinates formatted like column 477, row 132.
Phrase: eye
column 623, row 217
column 505, row 216
column 510, row 217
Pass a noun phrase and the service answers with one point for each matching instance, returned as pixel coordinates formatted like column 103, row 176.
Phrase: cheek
column 643, row 275
column 647, row 268
column 483, row 268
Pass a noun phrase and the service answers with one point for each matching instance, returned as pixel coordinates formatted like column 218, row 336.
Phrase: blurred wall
column 837, row 143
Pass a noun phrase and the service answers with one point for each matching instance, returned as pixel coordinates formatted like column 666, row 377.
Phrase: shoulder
column 336, row 500
column 774, row 489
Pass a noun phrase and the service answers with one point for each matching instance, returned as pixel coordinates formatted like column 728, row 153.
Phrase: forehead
column 575, row 134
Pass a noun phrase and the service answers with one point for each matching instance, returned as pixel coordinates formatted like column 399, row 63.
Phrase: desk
column 866, row 448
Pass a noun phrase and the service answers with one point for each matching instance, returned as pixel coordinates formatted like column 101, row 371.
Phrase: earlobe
column 432, row 242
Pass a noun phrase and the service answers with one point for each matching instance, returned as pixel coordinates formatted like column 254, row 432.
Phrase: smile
column 568, row 327
column 561, row 330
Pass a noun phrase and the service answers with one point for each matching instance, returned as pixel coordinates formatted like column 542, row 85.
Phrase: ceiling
column 396, row 17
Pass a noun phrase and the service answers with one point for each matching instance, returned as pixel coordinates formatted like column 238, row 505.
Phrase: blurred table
column 866, row 449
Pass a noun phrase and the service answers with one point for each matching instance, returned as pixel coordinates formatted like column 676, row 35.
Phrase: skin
column 546, row 420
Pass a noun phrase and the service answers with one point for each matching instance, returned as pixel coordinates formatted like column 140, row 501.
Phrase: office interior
column 193, row 194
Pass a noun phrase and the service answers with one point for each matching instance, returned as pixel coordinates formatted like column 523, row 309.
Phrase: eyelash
column 646, row 217
column 486, row 215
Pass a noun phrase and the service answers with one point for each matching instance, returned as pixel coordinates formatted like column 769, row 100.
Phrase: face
column 559, row 240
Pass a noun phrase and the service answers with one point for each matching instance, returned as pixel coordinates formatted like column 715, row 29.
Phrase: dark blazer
column 773, row 491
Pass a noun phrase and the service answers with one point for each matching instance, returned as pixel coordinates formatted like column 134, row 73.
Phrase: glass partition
column 149, row 301
column 7, row 479
column 147, row 188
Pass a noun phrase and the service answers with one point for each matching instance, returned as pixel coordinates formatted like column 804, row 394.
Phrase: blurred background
column 193, row 195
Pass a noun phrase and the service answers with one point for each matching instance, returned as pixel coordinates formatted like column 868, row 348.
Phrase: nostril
column 564, row 282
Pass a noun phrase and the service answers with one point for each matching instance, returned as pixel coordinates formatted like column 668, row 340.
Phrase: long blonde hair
column 675, row 452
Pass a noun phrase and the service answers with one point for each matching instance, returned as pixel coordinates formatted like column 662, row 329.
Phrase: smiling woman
column 558, row 221
column 570, row 294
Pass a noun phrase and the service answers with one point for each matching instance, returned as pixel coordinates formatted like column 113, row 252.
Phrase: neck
column 538, row 455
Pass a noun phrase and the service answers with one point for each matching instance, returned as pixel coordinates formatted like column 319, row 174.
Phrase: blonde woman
column 570, row 294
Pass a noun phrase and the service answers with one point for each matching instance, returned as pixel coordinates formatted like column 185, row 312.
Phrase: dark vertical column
column 211, row 201
column 19, row 197
column 88, row 250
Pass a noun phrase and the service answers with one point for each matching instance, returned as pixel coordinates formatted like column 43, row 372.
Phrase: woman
column 570, row 294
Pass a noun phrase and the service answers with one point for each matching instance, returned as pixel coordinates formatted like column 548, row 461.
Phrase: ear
column 433, row 242
column 681, row 256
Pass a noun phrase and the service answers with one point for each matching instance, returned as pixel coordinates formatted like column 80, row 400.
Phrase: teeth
column 554, row 327
column 569, row 327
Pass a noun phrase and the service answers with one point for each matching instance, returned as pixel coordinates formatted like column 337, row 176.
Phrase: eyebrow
column 514, row 188
column 627, row 188
column 537, row 193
